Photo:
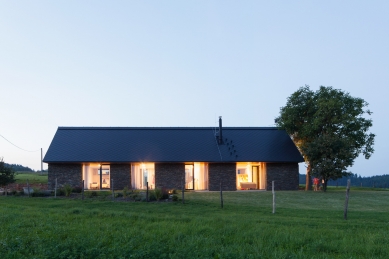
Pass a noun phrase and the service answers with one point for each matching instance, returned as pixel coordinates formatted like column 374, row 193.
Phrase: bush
column 125, row 192
column 37, row 193
column 77, row 189
column 118, row 195
column 174, row 198
column 20, row 193
column 165, row 193
column 152, row 196
column 158, row 193
column 135, row 195
column 92, row 194
column 68, row 190
column 60, row 192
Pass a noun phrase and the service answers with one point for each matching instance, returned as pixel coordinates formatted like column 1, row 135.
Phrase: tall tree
column 330, row 129
column 7, row 174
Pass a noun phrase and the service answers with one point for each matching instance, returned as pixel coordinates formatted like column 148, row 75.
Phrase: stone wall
column 224, row 172
column 169, row 175
column 121, row 175
column 285, row 175
column 66, row 174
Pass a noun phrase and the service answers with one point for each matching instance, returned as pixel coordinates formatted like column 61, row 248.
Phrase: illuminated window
column 250, row 176
column 141, row 175
column 96, row 176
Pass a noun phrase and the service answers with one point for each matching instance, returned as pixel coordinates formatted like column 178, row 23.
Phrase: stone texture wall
column 169, row 175
column 224, row 172
column 65, row 174
column 285, row 175
column 121, row 175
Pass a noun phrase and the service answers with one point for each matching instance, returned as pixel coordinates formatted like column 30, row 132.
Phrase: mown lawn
column 306, row 225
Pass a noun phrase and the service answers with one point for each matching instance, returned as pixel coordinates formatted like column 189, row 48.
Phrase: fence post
column 274, row 197
column 82, row 189
column 221, row 195
column 346, row 201
column 28, row 189
column 113, row 192
column 55, row 188
column 147, row 191
column 183, row 189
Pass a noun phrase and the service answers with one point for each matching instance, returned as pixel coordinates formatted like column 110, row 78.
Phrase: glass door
column 105, row 178
column 141, row 175
column 189, row 177
column 255, row 176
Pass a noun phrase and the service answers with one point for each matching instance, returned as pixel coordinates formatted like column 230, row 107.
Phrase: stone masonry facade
column 169, row 175
column 66, row 174
column 121, row 175
column 224, row 173
column 284, row 175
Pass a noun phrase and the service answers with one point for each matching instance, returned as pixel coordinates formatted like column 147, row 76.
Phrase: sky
column 183, row 63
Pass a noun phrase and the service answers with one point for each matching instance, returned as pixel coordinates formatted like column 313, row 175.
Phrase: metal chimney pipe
column 220, row 131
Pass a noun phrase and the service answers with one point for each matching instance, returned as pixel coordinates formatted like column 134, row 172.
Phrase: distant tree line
column 17, row 167
column 377, row 181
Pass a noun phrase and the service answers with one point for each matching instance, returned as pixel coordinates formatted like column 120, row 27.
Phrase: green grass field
column 22, row 177
column 306, row 225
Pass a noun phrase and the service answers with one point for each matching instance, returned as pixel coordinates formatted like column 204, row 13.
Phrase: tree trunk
column 308, row 184
column 325, row 185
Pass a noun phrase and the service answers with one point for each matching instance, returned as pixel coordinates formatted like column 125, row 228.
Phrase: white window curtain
column 201, row 176
column 141, row 173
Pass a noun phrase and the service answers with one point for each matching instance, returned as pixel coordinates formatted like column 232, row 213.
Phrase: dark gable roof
column 195, row 144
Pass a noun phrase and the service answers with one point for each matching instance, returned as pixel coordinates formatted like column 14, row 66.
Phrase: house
column 202, row 158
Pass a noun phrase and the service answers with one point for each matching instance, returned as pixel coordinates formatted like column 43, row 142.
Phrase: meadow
column 33, row 178
column 305, row 225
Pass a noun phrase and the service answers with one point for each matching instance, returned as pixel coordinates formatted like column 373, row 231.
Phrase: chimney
column 220, row 131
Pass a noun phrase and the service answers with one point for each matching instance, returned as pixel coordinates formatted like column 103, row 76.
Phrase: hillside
column 18, row 167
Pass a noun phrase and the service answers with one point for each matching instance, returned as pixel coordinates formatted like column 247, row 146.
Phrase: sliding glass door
column 189, row 177
column 96, row 176
column 141, row 175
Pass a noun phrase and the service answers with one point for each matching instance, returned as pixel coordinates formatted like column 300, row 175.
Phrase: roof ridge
column 160, row 128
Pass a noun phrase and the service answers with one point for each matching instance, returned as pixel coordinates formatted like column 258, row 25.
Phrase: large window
column 141, row 175
column 250, row 176
column 196, row 176
column 96, row 176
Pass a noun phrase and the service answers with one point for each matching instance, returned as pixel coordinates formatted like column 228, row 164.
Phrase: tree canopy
column 330, row 128
column 18, row 167
column 7, row 174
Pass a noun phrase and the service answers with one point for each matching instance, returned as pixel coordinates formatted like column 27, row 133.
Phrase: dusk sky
column 183, row 63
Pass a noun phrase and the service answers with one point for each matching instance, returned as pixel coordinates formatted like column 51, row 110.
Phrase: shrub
column 92, row 194
column 152, row 196
column 68, row 190
column 20, row 193
column 158, row 193
column 60, row 192
column 37, row 193
column 174, row 198
column 135, row 195
column 125, row 192
column 118, row 195
column 165, row 193
column 77, row 189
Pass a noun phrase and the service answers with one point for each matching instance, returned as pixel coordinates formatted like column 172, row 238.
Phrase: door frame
column 193, row 183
